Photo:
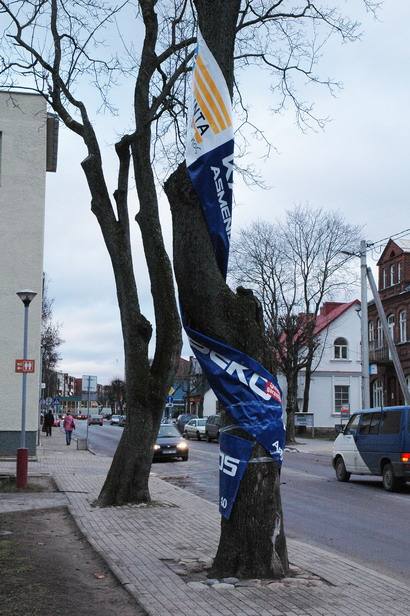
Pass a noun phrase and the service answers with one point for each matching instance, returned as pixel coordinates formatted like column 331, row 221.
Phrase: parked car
column 212, row 427
column 375, row 442
column 122, row 420
column 183, row 419
column 115, row 420
column 95, row 420
column 170, row 444
column 195, row 428
column 81, row 416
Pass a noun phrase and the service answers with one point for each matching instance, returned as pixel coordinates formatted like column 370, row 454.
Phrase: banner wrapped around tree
column 249, row 393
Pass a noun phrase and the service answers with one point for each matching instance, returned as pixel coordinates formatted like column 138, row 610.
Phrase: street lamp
column 26, row 297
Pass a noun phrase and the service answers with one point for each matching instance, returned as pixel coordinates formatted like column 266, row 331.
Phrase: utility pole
column 387, row 334
column 364, row 327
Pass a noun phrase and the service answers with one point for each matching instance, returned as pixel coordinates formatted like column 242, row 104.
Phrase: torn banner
column 249, row 393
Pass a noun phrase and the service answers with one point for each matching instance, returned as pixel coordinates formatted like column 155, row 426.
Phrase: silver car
column 195, row 428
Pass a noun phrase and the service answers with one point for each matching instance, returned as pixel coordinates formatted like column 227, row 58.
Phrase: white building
column 24, row 159
column 336, row 381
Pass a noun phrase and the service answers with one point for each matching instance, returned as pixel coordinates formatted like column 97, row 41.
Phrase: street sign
column 373, row 369
column 304, row 419
column 49, row 401
column 170, row 400
column 89, row 383
column 345, row 410
column 25, row 365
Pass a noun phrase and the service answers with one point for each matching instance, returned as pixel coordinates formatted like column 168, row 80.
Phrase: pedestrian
column 69, row 426
column 48, row 422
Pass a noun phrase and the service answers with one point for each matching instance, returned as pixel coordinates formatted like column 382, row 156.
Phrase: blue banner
column 234, row 456
column 249, row 393
column 246, row 389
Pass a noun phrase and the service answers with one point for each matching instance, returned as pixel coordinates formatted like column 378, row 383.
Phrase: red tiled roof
column 327, row 316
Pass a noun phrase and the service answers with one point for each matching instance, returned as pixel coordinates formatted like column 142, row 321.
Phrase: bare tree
column 53, row 45
column 317, row 241
column 292, row 267
column 50, row 343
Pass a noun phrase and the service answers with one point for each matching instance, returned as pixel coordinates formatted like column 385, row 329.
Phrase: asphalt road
column 357, row 519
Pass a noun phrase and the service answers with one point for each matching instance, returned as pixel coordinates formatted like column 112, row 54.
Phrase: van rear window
column 391, row 423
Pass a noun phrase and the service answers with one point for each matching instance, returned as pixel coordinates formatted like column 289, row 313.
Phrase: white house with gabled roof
column 336, row 380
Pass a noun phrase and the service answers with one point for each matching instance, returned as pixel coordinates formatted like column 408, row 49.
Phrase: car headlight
column 182, row 445
column 157, row 447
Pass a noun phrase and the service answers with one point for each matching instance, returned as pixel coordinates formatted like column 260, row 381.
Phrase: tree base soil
column 47, row 568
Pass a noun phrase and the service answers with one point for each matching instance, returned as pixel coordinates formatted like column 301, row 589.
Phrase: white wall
column 331, row 372
column 210, row 401
column 22, row 198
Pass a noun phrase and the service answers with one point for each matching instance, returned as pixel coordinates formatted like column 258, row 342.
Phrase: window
column 365, row 423
column 371, row 331
column 390, row 323
column 379, row 334
column 374, row 426
column 377, row 388
column 384, row 279
column 399, row 271
column 403, row 325
column 340, row 347
column 391, row 422
column 353, row 424
column 391, row 275
column 342, row 397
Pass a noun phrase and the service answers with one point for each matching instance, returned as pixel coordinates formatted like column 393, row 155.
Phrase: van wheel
column 185, row 435
column 390, row 482
column 341, row 472
column 198, row 436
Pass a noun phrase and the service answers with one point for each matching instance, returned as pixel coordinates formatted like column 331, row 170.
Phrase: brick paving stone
column 138, row 541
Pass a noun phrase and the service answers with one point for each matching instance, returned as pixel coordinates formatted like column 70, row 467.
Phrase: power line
column 396, row 236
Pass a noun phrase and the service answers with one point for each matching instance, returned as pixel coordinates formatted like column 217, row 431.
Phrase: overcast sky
column 359, row 165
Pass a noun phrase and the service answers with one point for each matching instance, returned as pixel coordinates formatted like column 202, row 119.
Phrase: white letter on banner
column 198, row 347
column 228, row 162
column 239, row 369
column 218, row 359
column 256, row 389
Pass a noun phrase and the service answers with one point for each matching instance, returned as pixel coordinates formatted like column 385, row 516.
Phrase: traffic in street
column 357, row 519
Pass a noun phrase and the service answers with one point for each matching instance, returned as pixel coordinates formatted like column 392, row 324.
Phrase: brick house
column 394, row 290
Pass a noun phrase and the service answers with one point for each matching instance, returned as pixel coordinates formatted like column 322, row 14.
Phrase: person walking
column 48, row 422
column 69, row 426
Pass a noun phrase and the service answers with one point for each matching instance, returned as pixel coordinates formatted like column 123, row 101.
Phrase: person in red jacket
column 68, row 426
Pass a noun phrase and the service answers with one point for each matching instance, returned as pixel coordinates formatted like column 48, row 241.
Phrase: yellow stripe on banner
column 197, row 136
column 210, row 82
column 211, row 103
column 205, row 110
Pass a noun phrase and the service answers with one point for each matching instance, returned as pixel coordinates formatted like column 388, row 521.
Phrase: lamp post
column 26, row 297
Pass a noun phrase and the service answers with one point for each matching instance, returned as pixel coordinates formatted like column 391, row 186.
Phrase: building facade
column 336, row 380
column 394, row 291
column 23, row 165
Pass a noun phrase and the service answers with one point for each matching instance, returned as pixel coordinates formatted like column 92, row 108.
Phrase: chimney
column 329, row 307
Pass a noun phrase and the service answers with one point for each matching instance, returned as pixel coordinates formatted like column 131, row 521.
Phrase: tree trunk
column 147, row 386
column 252, row 542
column 308, row 379
column 291, row 405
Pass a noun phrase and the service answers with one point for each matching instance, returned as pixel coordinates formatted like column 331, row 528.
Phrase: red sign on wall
column 25, row 365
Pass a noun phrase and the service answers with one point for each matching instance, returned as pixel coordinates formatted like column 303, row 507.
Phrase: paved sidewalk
column 150, row 548
column 313, row 445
